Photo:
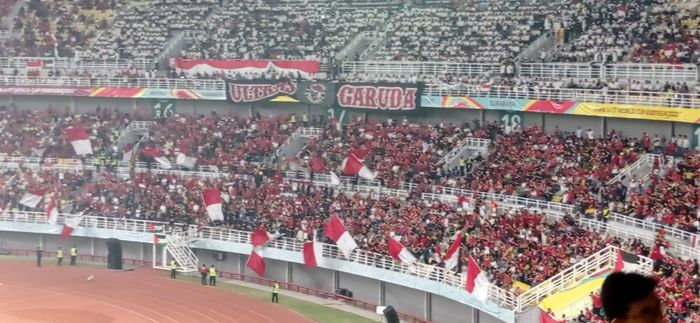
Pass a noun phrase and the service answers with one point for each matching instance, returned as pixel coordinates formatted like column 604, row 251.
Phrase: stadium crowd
column 570, row 167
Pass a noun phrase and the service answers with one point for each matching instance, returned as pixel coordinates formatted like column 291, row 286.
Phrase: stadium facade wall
column 406, row 300
column 142, row 108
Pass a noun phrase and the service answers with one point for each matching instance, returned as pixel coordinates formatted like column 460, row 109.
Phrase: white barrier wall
column 406, row 300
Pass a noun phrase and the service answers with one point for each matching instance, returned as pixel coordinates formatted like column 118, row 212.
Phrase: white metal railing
column 633, row 71
column 4, row 34
column 69, row 63
column 156, row 83
column 604, row 259
column 308, row 132
column 346, row 185
column 642, row 162
column 497, row 295
column 138, row 125
column 467, row 143
column 565, row 94
column 666, row 72
column 417, row 68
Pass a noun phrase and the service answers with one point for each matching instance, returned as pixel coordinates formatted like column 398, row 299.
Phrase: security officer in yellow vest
column 173, row 269
column 462, row 166
column 59, row 255
column 212, row 275
column 73, row 255
column 606, row 214
column 275, row 292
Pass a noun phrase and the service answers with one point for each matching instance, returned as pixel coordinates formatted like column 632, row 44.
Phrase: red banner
column 213, row 65
column 550, row 106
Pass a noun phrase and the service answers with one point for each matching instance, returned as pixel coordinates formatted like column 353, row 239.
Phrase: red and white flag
column 51, row 211
column 127, row 152
column 312, row 254
column 336, row 231
column 31, row 198
column 353, row 166
column 212, row 202
column 477, row 282
column 399, row 252
column 182, row 159
column 260, row 237
column 158, row 156
column 70, row 226
column 317, row 165
column 79, row 139
column 256, row 261
column 452, row 255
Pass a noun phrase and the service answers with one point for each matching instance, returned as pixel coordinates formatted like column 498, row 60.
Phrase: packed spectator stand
column 299, row 208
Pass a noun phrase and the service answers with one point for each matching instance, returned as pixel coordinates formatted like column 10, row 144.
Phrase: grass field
column 316, row 312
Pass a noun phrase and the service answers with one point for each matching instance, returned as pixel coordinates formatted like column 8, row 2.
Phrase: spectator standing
column 203, row 272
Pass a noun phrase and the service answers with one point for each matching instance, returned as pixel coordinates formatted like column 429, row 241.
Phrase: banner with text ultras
column 283, row 91
column 378, row 96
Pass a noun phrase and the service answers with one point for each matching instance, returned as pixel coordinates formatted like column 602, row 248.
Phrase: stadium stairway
column 297, row 141
column 469, row 147
column 177, row 247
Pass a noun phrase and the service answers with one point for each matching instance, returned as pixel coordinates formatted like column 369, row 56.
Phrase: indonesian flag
column 182, row 159
column 477, row 282
column 462, row 201
column 546, row 318
column 399, row 252
column 80, row 140
column 51, row 211
column 261, row 237
column 127, row 152
column 158, row 156
column 452, row 255
column 31, row 198
column 353, row 166
column 256, row 261
column 212, row 201
column 70, row 225
column 336, row 231
column 312, row 254
column 627, row 262
column 35, row 64
column 317, row 165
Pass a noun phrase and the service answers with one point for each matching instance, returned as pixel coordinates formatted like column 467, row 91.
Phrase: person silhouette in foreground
column 631, row 298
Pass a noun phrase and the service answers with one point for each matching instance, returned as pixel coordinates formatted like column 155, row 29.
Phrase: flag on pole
column 127, row 152
column 31, row 198
column 70, row 226
column 260, row 237
column 256, row 261
column 312, row 254
column 158, row 156
column 477, row 282
column 212, row 202
column 399, row 252
column 79, row 139
column 627, row 262
column 335, row 180
column 336, row 231
column 182, row 159
column 452, row 255
column 353, row 166
column 51, row 211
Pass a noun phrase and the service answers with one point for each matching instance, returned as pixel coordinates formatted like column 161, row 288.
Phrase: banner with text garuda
column 378, row 96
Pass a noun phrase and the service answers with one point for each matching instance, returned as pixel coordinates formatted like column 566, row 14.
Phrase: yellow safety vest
column 173, row 265
column 59, row 253
column 73, row 252
column 293, row 119
column 462, row 162
column 275, row 288
column 212, row 272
